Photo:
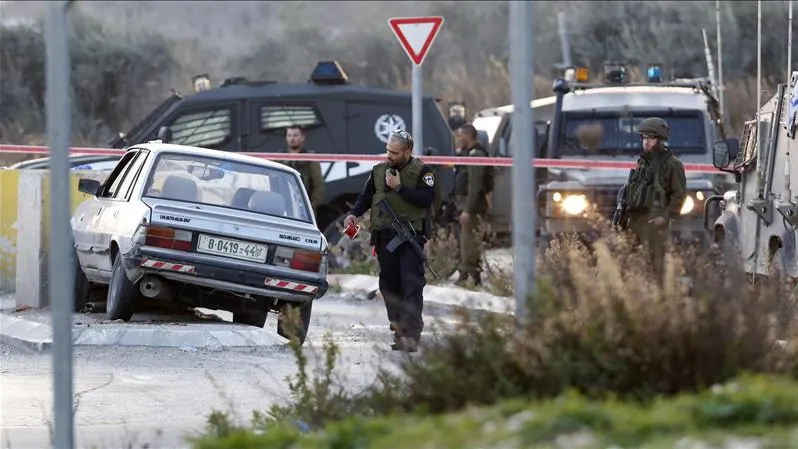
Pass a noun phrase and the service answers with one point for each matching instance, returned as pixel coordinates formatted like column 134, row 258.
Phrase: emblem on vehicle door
column 386, row 124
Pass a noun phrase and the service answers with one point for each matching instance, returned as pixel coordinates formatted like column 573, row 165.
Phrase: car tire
column 82, row 287
column 305, row 311
column 251, row 318
column 122, row 294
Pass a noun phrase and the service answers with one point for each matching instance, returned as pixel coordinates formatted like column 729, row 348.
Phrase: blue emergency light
column 328, row 72
column 655, row 73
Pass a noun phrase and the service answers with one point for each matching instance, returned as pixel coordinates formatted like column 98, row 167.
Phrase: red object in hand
column 352, row 230
column 373, row 251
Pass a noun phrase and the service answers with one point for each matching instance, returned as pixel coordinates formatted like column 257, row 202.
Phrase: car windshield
column 229, row 184
column 615, row 133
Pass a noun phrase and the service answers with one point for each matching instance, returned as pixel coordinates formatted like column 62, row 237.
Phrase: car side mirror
column 164, row 134
column 724, row 151
column 89, row 186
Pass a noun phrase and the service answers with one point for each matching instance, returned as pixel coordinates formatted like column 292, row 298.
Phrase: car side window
column 207, row 128
column 130, row 175
column 111, row 184
column 280, row 117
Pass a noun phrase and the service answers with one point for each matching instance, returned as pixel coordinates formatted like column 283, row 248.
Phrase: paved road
column 132, row 396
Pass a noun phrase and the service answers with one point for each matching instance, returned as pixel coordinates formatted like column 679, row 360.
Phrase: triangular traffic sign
column 416, row 35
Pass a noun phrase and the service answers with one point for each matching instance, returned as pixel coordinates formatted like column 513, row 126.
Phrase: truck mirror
column 723, row 152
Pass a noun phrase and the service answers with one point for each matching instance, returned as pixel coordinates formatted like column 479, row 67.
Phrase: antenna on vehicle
column 759, row 168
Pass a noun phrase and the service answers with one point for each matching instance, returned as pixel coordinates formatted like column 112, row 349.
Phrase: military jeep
column 598, row 122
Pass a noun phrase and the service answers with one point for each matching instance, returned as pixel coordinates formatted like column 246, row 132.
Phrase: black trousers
column 402, row 284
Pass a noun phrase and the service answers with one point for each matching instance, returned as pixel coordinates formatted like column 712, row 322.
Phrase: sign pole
column 522, row 142
column 418, row 122
column 416, row 35
column 61, row 269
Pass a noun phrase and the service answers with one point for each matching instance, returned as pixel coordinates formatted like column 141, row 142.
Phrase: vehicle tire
column 305, row 310
column 82, row 287
column 122, row 294
column 255, row 318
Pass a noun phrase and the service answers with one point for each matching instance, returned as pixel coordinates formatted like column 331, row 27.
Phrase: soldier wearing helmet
column 656, row 191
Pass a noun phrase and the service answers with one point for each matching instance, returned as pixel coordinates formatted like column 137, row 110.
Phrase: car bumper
column 223, row 274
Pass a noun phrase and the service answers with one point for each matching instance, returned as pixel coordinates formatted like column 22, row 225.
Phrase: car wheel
column 82, row 287
column 305, row 310
column 251, row 318
column 122, row 294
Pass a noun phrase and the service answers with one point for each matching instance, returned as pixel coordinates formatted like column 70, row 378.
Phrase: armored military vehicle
column 610, row 111
column 338, row 117
column 760, row 217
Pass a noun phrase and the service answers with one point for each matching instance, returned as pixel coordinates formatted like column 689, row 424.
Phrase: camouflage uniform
column 657, row 188
column 471, row 197
column 310, row 171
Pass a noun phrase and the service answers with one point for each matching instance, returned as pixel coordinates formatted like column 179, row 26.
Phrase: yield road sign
column 416, row 35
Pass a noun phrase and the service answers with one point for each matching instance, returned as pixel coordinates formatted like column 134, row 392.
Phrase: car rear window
column 228, row 184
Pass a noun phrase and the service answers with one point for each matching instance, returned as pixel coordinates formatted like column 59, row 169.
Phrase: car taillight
column 297, row 259
column 164, row 237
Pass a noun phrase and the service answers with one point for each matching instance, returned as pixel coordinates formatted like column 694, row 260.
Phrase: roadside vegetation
column 121, row 70
column 608, row 355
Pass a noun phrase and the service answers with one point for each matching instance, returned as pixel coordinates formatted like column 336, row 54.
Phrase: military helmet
column 654, row 126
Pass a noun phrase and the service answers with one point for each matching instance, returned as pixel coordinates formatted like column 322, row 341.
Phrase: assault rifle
column 620, row 218
column 404, row 233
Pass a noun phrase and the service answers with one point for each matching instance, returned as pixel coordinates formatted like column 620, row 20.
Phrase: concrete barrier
column 25, row 230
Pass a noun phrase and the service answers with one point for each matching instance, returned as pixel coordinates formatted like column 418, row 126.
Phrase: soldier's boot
column 477, row 277
column 462, row 279
column 406, row 344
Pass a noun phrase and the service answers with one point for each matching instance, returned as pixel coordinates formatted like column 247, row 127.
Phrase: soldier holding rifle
column 400, row 193
column 654, row 194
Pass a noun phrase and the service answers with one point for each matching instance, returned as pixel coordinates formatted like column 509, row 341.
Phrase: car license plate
column 231, row 248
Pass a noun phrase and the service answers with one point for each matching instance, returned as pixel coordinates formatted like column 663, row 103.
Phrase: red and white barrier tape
column 432, row 160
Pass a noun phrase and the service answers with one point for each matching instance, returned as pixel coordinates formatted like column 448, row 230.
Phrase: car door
column 103, row 220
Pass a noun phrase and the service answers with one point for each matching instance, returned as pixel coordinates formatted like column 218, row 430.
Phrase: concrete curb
column 450, row 297
column 25, row 334
column 33, row 336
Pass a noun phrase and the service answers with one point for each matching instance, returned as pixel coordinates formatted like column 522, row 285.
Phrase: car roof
column 160, row 147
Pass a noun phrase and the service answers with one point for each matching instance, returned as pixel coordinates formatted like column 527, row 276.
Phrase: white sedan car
column 208, row 228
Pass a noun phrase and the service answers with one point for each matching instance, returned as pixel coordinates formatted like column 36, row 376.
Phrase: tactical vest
column 646, row 192
column 408, row 176
column 303, row 167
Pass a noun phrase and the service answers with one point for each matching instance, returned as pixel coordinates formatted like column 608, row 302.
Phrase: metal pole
column 61, row 269
column 721, row 88
column 418, row 131
column 565, row 42
column 523, row 175
column 789, row 44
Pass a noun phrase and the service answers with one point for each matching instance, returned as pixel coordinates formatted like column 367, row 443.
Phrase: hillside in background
column 128, row 55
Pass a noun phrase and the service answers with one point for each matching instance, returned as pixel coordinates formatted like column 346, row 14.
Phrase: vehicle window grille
column 748, row 143
column 203, row 129
column 276, row 117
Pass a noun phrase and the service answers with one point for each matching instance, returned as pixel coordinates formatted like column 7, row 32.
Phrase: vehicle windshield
column 229, row 184
column 616, row 133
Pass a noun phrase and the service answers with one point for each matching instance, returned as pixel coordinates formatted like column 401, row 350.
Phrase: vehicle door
column 113, row 202
column 215, row 126
column 369, row 126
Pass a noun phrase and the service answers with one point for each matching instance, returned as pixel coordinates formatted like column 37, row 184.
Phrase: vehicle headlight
column 694, row 201
column 570, row 203
column 688, row 205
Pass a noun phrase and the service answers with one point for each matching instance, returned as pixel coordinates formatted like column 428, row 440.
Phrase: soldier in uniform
column 472, row 201
column 408, row 185
column 656, row 191
column 310, row 171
